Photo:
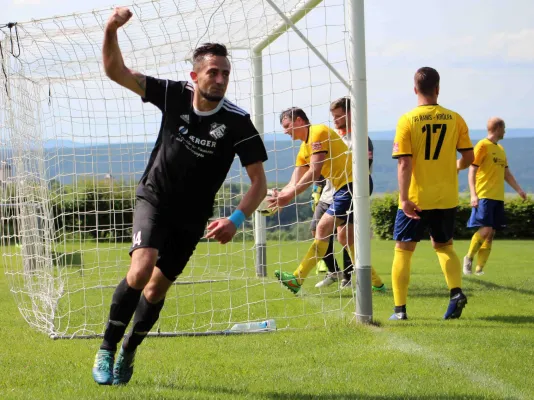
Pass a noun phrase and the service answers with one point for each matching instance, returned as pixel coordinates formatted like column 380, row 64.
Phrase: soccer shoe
column 288, row 280
column 123, row 369
column 479, row 271
column 321, row 267
column 468, row 265
column 379, row 288
column 331, row 278
column 103, row 367
column 345, row 284
column 456, row 306
column 397, row 316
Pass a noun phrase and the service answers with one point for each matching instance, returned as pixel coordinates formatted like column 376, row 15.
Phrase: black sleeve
column 164, row 93
column 371, row 150
column 248, row 144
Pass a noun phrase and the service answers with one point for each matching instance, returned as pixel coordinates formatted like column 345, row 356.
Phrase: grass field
column 487, row 354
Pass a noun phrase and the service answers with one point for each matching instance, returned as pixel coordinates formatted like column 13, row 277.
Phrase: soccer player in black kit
column 201, row 132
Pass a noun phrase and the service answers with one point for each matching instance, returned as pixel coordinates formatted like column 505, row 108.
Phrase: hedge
column 519, row 215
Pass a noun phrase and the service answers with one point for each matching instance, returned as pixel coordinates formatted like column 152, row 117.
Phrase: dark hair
column 426, row 80
column 343, row 103
column 215, row 49
column 293, row 113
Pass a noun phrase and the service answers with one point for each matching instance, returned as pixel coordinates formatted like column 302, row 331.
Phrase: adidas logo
column 185, row 117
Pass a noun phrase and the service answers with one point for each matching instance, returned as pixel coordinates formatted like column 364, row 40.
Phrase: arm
column 468, row 156
column 303, row 179
column 404, row 175
column 223, row 229
column 288, row 189
column 112, row 57
column 509, row 178
column 257, row 191
column 472, row 184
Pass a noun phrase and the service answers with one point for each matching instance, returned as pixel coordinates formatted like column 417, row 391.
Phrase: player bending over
column 486, row 184
column 200, row 134
column 340, row 111
column 426, row 142
column 322, row 152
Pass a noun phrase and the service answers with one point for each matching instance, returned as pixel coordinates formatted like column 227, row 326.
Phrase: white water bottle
column 261, row 326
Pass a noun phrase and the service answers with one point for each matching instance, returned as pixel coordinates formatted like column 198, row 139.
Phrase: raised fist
column 120, row 16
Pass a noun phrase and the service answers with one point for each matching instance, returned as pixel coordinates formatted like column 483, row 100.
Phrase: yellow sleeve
column 319, row 139
column 505, row 158
column 480, row 154
column 402, row 145
column 464, row 142
column 301, row 156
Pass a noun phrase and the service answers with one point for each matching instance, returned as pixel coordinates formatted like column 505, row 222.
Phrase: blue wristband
column 237, row 218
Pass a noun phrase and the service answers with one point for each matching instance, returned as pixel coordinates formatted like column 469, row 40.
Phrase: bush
column 98, row 210
column 519, row 215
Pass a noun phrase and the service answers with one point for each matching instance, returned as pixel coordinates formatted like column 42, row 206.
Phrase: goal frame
column 357, row 86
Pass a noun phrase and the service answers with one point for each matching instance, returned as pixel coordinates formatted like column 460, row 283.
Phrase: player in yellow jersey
column 486, row 184
column 426, row 142
column 322, row 152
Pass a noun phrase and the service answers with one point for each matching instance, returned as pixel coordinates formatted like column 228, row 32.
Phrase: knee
column 490, row 236
column 153, row 294
column 486, row 233
column 141, row 268
column 342, row 239
column 322, row 233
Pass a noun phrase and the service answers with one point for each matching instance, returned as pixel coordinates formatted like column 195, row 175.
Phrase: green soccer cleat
column 103, row 367
column 379, row 288
column 288, row 280
column 123, row 370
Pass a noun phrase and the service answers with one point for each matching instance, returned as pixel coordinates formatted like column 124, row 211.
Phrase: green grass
column 487, row 354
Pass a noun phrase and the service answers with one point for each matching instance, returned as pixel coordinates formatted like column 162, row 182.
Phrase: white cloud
column 517, row 46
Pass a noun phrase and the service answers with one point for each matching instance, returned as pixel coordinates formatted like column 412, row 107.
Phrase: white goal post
column 73, row 145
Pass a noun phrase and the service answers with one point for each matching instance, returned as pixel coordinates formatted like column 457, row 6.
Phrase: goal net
column 74, row 144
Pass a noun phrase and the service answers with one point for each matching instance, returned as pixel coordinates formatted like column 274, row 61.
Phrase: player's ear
column 194, row 76
column 437, row 90
column 415, row 90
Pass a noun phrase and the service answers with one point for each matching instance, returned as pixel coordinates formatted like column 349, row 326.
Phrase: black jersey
column 194, row 149
column 371, row 150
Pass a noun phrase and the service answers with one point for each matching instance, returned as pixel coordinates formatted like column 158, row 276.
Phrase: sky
column 483, row 51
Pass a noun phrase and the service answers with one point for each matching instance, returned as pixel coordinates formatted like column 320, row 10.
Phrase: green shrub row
column 519, row 216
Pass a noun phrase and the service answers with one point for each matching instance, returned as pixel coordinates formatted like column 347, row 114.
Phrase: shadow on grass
column 511, row 319
column 223, row 390
column 494, row 286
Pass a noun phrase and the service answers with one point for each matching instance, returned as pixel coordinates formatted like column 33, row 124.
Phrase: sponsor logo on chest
column 217, row 131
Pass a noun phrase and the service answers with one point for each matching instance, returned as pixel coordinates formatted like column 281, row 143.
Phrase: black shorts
column 320, row 209
column 168, row 231
column 440, row 224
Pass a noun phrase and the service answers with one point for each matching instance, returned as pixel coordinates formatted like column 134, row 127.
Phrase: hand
column 410, row 209
column 281, row 200
column 120, row 16
column 522, row 194
column 474, row 201
column 222, row 230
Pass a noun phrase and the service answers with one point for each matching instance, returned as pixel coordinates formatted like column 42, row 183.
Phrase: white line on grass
column 399, row 343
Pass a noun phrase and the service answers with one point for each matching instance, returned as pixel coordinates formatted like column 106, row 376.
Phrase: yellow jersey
column 490, row 158
column 431, row 135
column 337, row 166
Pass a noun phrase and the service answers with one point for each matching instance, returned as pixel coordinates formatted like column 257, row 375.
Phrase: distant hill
column 475, row 134
column 520, row 153
column 127, row 162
